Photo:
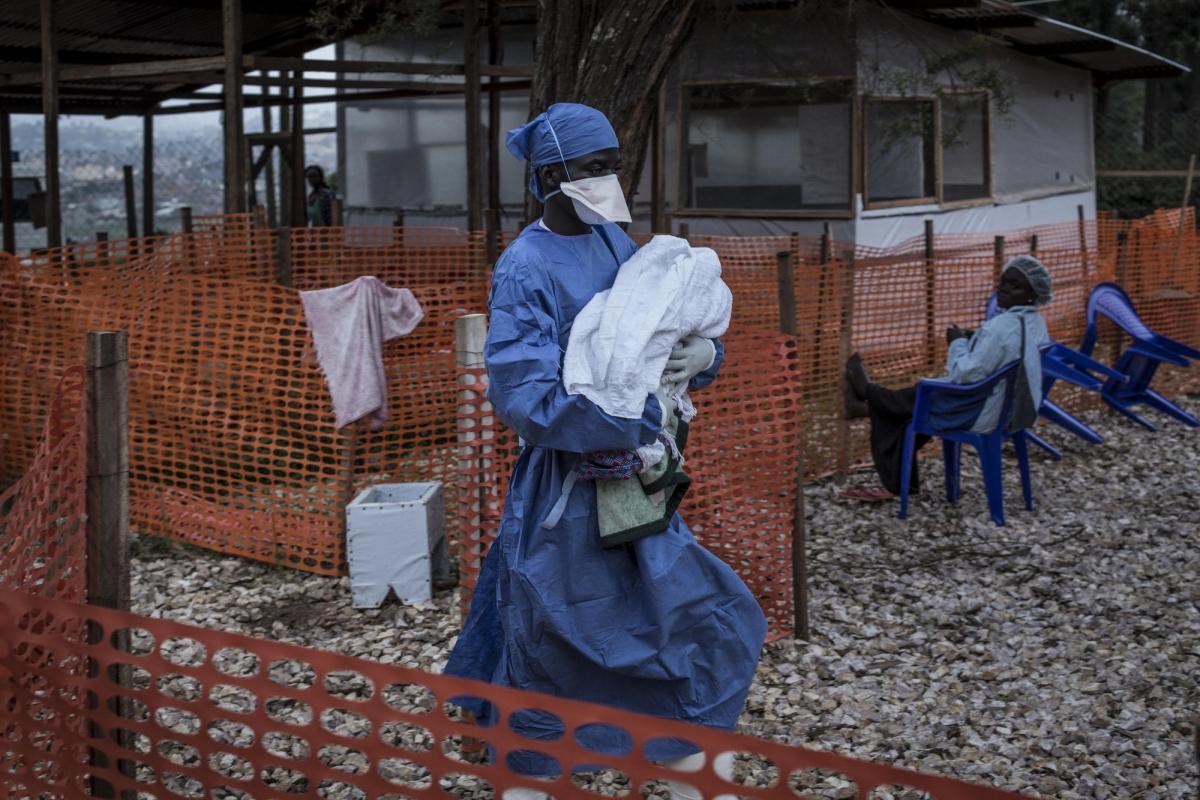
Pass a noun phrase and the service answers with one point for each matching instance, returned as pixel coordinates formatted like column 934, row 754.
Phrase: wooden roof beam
column 984, row 23
column 431, row 68
column 1076, row 47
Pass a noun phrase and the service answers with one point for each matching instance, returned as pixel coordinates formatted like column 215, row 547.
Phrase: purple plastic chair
column 1140, row 360
column 927, row 419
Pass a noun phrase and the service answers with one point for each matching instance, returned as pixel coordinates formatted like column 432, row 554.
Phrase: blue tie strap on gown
column 659, row 626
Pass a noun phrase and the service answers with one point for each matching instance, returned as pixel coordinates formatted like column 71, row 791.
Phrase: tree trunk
column 612, row 56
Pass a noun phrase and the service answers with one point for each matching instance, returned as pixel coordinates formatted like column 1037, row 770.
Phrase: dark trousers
column 890, row 411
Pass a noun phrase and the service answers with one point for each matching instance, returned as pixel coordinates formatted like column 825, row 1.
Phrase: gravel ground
column 1057, row 656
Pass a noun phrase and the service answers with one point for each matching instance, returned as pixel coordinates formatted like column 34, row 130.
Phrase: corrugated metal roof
column 1029, row 31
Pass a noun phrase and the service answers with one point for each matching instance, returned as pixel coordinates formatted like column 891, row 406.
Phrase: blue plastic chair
column 1140, row 360
column 1060, row 362
column 987, row 445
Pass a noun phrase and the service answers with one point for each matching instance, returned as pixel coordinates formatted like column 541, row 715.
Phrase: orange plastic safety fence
column 43, row 514
column 233, row 446
column 743, row 456
column 398, row 256
column 114, row 704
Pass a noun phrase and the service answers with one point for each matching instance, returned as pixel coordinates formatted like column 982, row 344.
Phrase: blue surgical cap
column 560, row 133
column 1038, row 276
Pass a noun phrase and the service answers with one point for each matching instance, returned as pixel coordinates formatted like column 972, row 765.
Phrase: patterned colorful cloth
column 613, row 465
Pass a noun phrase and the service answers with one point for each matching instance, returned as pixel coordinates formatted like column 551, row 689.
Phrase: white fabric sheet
column 622, row 338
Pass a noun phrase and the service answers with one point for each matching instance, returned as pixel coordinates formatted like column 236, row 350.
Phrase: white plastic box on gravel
column 396, row 538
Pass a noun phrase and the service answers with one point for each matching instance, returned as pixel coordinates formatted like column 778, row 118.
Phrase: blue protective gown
column 659, row 626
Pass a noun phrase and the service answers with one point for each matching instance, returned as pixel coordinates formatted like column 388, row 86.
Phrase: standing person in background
column 320, row 199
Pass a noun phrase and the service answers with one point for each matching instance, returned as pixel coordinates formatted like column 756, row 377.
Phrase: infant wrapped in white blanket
column 621, row 340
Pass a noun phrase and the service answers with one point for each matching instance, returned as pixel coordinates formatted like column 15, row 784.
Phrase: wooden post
column 269, row 178
column 786, row 276
column 107, row 531
column 1033, row 244
column 235, row 141
column 823, row 300
column 185, row 219
column 108, row 470
column 472, row 80
column 284, row 244
column 102, row 248
column 1183, row 207
column 1083, row 247
column 683, row 230
column 337, row 213
column 286, row 165
column 148, row 174
column 494, row 205
column 349, row 454
column 844, row 346
column 6, row 184
column 785, row 272
column 997, row 260
column 658, row 164
column 930, row 300
column 299, row 209
column 50, row 125
column 130, row 203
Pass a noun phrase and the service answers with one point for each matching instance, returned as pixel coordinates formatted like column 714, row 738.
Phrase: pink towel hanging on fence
column 349, row 324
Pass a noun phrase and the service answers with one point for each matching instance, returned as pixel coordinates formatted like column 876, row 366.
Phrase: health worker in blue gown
column 659, row 626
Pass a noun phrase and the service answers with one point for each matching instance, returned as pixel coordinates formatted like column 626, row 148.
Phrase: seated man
column 1024, row 286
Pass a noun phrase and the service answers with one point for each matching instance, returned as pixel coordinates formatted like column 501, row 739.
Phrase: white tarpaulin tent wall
column 777, row 126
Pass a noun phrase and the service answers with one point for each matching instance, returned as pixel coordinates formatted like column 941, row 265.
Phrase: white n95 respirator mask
column 597, row 200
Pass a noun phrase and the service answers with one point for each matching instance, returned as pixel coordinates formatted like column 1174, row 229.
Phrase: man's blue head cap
column 562, row 132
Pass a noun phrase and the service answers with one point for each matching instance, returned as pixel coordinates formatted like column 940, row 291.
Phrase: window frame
column 682, row 209
column 865, row 152
column 988, row 158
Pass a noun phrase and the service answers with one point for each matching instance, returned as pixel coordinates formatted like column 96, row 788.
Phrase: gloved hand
column 689, row 357
column 668, row 404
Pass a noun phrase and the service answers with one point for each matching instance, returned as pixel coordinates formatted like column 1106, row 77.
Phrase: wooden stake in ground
column 108, row 470
column 788, row 326
column 1183, row 207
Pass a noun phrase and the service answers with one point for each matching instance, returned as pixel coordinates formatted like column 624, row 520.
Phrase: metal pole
column 235, row 166
column 6, row 183
column 471, row 94
column 50, row 121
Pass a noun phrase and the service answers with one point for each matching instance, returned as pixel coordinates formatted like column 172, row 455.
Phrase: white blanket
column 622, row 338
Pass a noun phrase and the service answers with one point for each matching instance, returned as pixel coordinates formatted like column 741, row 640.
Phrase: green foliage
column 374, row 19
